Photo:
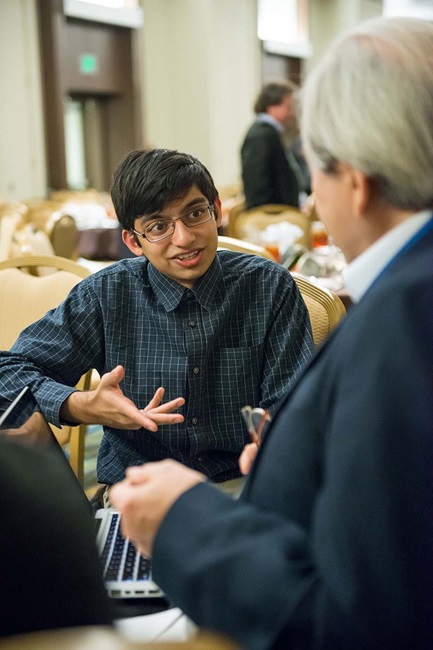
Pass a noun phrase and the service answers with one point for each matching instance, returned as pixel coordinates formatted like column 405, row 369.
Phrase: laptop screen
column 25, row 423
column 127, row 575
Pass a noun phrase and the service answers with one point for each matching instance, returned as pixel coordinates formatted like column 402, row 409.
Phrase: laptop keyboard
column 120, row 559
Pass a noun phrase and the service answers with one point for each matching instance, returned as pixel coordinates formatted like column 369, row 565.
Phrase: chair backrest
column 232, row 191
column 19, row 236
column 90, row 195
column 232, row 244
column 258, row 218
column 60, row 227
column 236, row 208
column 62, row 230
column 24, row 299
column 324, row 307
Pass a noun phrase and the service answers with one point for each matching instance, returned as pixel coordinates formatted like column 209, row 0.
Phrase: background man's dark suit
column 50, row 573
column 266, row 173
column 340, row 556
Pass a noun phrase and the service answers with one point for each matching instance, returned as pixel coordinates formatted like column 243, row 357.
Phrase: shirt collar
column 170, row 293
column 265, row 117
column 360, row 274
column 206, row 287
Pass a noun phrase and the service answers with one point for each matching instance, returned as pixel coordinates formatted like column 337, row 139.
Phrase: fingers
column 162, row 414
column 156, row 399
column 152, row 422
column 114, row 377
column 146, row 495
column 248, row 457
column 167, row 407
column 150, row 419
column 165, row 418
column 115, row 409
column 169, row 474
column 137, row 474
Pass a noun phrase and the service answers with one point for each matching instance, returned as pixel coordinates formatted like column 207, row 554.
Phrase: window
column 416, row 8
column 283, row 27
column 125, row 13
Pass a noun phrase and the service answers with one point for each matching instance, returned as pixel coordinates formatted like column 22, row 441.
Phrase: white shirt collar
column 360, row 274
column 265, row 117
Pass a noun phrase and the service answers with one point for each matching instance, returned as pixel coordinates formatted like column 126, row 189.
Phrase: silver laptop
column 127, row 574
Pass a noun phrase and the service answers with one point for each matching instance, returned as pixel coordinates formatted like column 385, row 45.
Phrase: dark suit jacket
column 50, row 573
column 331, row 544
column 266, row 173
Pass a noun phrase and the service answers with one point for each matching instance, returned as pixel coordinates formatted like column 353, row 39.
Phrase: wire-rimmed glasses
column 162, row 227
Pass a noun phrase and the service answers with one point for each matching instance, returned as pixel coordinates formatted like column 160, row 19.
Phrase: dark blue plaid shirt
column 239, row 337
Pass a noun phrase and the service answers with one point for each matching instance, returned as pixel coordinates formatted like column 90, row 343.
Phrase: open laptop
column 127, row 574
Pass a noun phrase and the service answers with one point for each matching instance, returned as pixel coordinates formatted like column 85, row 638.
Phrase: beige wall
column 201, row 70
column 328, row 18
column 200, row 73
column 22, row 154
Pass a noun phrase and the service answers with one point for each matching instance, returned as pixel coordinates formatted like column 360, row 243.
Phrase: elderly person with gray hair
column 331, row 542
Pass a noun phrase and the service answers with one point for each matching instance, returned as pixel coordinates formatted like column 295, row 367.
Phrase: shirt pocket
column 236, row 381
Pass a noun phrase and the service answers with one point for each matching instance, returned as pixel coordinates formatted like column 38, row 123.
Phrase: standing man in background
column 267, row 174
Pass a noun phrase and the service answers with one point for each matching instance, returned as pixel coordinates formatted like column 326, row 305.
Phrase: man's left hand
column 146, row 495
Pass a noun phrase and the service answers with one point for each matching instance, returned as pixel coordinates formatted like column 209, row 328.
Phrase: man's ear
column 363, row 193
column 129, row 239
column 218, row 212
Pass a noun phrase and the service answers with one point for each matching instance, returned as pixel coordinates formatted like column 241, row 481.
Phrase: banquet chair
column 60, row 227
column 233, row 244
column 231, row 191
column 325, row 308
column 16, row 208
column 236, row 208
column 9, row 223
column 258, row 218
column 90, row 195
column 62, row 230
column 19, row 235
column 25, row 298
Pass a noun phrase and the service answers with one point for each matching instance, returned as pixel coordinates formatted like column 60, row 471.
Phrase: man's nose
column 182, row 235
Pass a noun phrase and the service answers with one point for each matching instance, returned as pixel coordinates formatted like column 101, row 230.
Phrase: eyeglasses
column 257, row 421
column 163, row 227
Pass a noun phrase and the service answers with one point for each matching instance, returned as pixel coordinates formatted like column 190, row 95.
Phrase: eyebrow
column 202, row 200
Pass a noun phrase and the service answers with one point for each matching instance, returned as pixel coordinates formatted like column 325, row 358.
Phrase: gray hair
column 369, row 103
